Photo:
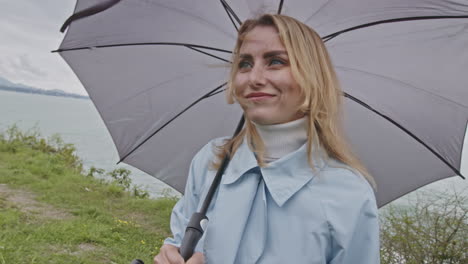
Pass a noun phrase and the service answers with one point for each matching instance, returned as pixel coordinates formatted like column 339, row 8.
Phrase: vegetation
column 51, row 211
column 433, row 229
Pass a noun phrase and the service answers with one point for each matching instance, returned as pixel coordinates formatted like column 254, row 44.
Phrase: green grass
column 77, row 218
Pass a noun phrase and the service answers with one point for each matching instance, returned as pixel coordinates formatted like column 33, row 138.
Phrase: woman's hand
column 169, row 254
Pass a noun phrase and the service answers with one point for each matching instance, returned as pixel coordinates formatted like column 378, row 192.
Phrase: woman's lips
column 258, row 96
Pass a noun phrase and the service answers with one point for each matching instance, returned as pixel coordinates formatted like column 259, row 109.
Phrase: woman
column 293, row 191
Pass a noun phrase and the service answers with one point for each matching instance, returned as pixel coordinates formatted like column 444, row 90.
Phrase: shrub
column 14, row 139
column 121, row 177
column 433, row 228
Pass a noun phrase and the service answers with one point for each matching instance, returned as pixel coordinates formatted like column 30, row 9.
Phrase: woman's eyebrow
column 245, row 56
column 274, row 53
column 268, row 54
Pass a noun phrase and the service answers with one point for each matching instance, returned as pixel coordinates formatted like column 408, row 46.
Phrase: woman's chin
column 263, row 120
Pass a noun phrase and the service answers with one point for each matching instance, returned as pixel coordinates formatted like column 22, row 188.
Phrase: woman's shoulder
column 203, row 159
column 339, row 182
column 343, row 191
column 201, row 172
column 208, row 152
column 339, row 173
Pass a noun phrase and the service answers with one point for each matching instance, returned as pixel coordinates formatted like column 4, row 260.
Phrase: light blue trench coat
column 283, row 213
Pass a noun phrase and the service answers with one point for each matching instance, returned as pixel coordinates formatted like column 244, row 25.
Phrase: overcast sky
column 29, row 31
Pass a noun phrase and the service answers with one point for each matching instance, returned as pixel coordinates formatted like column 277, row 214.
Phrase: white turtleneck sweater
column 282, row 139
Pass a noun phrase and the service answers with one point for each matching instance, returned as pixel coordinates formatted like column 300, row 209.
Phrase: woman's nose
column 257, row 76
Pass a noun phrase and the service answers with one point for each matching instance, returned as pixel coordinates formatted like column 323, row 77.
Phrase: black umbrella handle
column 193, row 233
column 198, row 221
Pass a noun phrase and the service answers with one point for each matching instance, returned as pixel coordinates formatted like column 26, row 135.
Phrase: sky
column 29, row 31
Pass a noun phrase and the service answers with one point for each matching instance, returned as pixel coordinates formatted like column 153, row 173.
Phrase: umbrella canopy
column 156, row 71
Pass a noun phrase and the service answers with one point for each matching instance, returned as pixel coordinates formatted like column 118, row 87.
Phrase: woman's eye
column 276, row 62
column 244, row 64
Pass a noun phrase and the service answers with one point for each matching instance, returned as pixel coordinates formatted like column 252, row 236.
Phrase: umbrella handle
column 199, row 221
column 193, row 233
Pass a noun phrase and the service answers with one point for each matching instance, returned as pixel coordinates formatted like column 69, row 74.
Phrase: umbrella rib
column 280, row 7
column 230, row 16
column 404, row 83
column 118, row 103
column 333, row 35
column 146, row 44
column 209, row 54
column 88, row 12
column 229, row 9
column 172, row 119
column 405, row 130
column 215, row 93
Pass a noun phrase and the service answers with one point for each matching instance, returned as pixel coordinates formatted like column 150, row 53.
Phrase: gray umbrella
column 156, row 70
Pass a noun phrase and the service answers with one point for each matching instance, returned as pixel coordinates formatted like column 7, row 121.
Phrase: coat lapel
column 232, row 207
column 229, row 219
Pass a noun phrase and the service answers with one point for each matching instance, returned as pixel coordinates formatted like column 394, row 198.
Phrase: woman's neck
column 282, row 139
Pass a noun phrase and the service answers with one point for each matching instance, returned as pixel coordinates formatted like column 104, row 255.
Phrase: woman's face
column 264, row 85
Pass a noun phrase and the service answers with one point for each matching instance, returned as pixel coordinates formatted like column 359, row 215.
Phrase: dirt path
column 26, row 202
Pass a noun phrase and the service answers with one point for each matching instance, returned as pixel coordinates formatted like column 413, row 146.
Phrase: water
column 78, row 122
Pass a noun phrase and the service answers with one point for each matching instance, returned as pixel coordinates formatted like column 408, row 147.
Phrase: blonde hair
column 313, row 71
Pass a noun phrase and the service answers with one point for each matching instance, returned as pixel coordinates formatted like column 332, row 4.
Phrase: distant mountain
column 7, row 85
column 5, row 82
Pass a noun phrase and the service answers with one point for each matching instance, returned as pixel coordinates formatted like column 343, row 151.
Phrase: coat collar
column 283, row 177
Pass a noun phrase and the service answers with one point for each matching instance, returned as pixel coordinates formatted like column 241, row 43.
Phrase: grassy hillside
column 51, row 211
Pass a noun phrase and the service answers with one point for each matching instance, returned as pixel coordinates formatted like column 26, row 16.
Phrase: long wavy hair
column 312, row 69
